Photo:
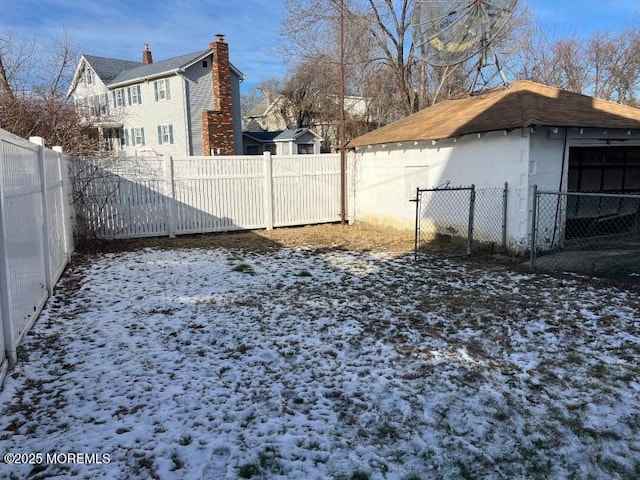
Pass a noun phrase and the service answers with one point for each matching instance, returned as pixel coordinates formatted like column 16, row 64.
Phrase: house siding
column 199, row 88
column 237, row 116
column 151, row 114
column 98, row 87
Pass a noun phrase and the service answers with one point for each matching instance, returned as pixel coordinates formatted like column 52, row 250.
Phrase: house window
column 270, row 147
column 165, row 134
column 80, row 104
column 252, row 150
column 134, row 96
column 204, row 64
column 136, row 137
column 98, row 105
column 104, row 104
column 305, row 148
column 161, row 89
column 119, row 99
column 88, row 76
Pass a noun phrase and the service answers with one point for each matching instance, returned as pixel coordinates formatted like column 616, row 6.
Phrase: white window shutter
column 139, row 95
column 166, row 85
column 155, row 88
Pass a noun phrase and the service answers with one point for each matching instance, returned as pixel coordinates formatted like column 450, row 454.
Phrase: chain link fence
column 593, row 233
column 460, row 220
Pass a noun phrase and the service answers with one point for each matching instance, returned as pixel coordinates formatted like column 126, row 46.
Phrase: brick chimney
column 217, row 124
column 147, row 59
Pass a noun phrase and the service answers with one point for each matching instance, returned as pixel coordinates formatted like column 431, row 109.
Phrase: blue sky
column 120, row 28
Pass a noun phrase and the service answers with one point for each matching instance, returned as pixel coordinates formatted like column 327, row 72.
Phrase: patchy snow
column 219, row 364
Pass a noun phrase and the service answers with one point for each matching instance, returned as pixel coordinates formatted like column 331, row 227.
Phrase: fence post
column 268, row 190
column 416, row 239
column 8, row 328
column 63, row 173
column 505, row 195
column 472, row 206
column 170, row 196
column 44, row 199
column 534, row 226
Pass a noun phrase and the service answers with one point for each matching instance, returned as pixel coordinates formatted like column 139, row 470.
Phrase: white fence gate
column 142, row 197
column 35, row 234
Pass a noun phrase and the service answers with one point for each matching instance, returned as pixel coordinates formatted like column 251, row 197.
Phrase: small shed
column 298, row 141
column 526, row 134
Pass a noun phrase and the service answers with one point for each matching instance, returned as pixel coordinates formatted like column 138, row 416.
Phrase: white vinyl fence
column 35, row 234
column 143, row 197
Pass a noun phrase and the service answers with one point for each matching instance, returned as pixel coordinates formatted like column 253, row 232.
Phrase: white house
column 528, row 134
column 186, row 105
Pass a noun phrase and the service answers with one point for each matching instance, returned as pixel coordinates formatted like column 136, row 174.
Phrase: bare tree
column 33, row 87
column 377, row 34
column 614, row 63
column 382, row 62
column 605, row 65
column 249, row 102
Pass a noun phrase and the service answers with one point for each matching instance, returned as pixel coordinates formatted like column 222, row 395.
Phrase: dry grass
column 357, row 237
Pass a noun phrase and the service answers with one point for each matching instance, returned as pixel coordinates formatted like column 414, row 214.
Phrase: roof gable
column 109, row 68
column 523, row 104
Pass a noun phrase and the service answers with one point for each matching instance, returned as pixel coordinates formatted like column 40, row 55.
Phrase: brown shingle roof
column 523, row 104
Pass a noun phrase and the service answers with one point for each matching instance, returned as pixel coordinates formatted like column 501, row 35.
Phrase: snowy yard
column 325, row 364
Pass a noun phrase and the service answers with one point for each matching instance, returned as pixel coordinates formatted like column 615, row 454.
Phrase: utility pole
column 341, row 127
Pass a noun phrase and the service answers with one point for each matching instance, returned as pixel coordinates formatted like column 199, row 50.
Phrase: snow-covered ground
column 302, row 364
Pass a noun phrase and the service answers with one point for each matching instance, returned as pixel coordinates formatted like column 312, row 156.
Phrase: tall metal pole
column 343, row 173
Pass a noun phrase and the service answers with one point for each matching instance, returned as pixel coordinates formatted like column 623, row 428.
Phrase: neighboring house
column 186, row 105
column 528, row 134
column 299, row 141
column 268, row 116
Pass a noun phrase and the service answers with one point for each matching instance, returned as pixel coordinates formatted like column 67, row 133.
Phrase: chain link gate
column 444, row 219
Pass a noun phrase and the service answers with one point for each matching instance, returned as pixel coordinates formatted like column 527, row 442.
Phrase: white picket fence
column 142, row 197
column 36, row 240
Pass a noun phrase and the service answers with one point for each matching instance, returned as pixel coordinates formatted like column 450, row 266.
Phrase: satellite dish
column 449, row 32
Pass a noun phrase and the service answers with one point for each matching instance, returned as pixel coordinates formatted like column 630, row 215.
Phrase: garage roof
column 523, row 104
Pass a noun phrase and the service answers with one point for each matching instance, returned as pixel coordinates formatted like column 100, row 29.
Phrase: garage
column 606, row 169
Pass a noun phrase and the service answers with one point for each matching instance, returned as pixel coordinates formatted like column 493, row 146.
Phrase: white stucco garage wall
column 386, row 176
